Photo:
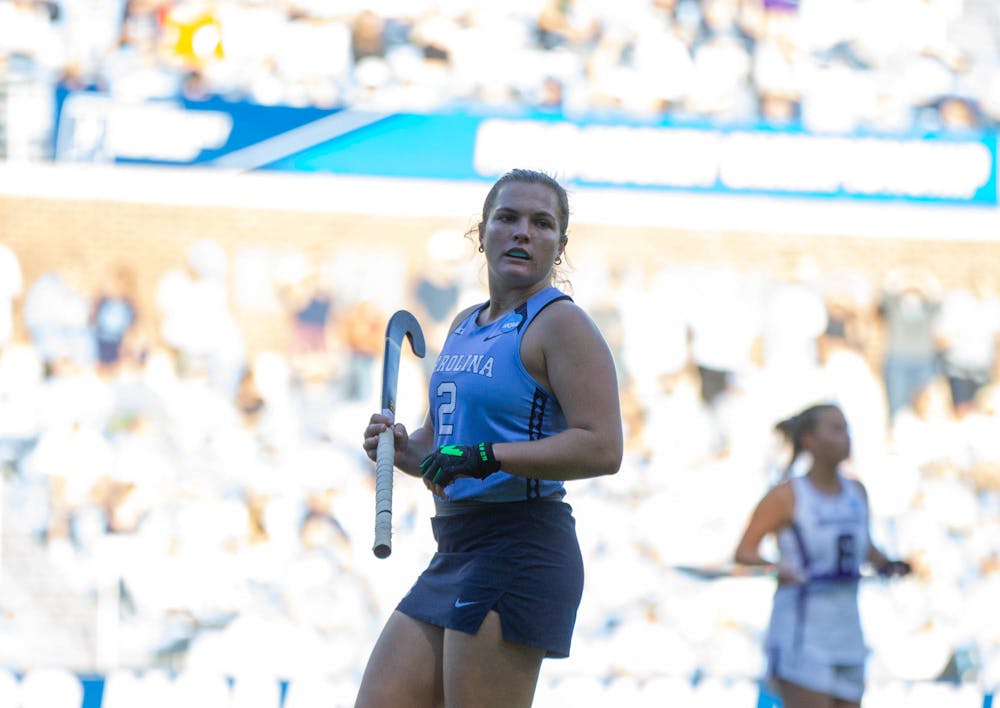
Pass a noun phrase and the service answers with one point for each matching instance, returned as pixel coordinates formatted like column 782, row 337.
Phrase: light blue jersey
column 481, row 392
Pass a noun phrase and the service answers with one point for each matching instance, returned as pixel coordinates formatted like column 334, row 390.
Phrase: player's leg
column 485, row 671
column 404, row 669
column 849, row 682
column 841, row 703
column 795, row 696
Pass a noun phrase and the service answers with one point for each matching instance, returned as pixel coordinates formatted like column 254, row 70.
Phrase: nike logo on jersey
column 460, row 603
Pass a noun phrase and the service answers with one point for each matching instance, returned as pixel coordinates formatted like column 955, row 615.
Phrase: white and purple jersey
column 481, row 392
column 827, row 543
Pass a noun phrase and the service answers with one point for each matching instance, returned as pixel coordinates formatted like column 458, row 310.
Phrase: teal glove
column 449, row 461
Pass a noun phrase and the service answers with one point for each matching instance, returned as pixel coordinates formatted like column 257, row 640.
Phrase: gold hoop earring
column 558, row 260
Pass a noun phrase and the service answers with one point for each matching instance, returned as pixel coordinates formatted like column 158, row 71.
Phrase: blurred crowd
column 211, row 501
column 829, row 65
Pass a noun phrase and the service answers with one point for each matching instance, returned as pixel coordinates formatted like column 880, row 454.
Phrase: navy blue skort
column 521, row 559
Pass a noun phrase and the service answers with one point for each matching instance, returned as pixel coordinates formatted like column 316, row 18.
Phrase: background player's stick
column 726, row 570
column 736, row 570
column 401, row 324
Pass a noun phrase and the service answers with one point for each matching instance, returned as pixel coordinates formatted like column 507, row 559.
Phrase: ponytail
column 794, row 428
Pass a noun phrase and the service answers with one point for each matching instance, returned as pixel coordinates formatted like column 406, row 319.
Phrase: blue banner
column 949, row 168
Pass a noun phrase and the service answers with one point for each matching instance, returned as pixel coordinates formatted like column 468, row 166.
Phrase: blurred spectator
column 852, row 314
column 725, row 321
column 968, row 329
column 30, row 37
column 311, row 308
column 607, row 309
column 11, row 284
column 135, row 69
column 720, row 86
column 114, row 316
column 57, row 315
column 551, row 96
column 795, row 317
column 780, row 110
column 672, row 403
column 650, row 352
column 71, row 459
column 566, row 24
column 142, row 475
column 779, row 63
column 909, row 309
column 661, row 57
column 957, row 113
column 21, row 402
column 249, row 401
column 926, row 432
column 196, row 321
column 363, row 326
column 368, row 36
column 984, row 446
column 436, row 288
column 848, row 379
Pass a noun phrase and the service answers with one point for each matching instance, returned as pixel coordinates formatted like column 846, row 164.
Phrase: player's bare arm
column 566, row 353
column 878, row 560
column 772, row 513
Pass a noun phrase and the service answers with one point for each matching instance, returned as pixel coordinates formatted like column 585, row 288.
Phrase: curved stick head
column 404, row 323
column 401, row 324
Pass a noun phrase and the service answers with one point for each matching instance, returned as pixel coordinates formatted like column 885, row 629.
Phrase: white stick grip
column 385, row 455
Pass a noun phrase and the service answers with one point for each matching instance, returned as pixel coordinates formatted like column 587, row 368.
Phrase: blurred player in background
column 815, row 646
column 523, row 397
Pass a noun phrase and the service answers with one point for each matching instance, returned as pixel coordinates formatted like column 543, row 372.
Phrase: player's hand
column 894, row 569
column 376, row 425
column 442, row 466
column 790, row 575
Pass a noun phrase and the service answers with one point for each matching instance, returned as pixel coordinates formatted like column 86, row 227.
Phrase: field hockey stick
column 401, row 324
column 726, row 570
column 737, row 570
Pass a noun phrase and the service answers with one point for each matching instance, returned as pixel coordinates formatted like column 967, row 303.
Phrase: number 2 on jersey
column 447, row 393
